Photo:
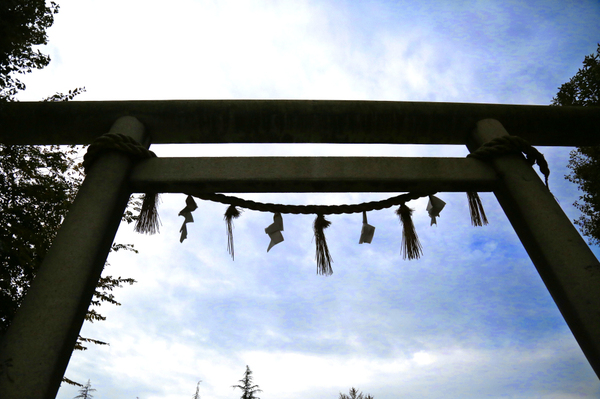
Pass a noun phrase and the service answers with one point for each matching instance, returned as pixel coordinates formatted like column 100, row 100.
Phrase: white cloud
column 470, row 319
column 423, row 358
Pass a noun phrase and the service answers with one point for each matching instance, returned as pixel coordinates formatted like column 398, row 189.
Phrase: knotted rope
column 148, row 220
column 512, row 145
column 115, row 142
column 495, row 148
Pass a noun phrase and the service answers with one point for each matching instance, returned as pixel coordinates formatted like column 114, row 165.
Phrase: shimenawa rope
column 148, row 221
column 495, row 148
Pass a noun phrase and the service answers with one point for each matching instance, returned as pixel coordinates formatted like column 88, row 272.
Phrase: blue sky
column 470, row 319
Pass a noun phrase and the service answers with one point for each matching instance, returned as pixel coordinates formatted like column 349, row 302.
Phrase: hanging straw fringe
column 231, row 213
column 478, row 217
column 322, row 255
column 148, row 221
column 411, row 247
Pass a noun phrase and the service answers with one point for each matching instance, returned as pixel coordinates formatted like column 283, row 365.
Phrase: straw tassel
column 478, row 217
column 148, row 221
column 411, row 247
column 322, row 254
column 231, row 213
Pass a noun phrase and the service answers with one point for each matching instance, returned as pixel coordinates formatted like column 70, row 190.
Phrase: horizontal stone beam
column 294, row 121
column 311, row 174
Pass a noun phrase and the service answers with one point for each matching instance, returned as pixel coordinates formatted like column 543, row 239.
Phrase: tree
column 197, row 394
column 38, row 183
column 85, row 392
column 248, row 390
column 354, row 394
column 23, row 24
column 584, row 90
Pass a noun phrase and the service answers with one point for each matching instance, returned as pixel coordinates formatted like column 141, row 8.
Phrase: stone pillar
column 35, row 351
column 567, row 266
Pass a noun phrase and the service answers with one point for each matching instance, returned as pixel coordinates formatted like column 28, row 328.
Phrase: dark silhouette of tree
column 38, row 183
column 86, row 391
column 354, row 394
column 23, row 24
column 248, row 390
column 584, row 90
column 197, row 394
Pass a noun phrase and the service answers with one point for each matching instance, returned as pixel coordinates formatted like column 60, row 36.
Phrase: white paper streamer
column 187, row 214
column 367, row 231
column 274, row 231
column 434, row 207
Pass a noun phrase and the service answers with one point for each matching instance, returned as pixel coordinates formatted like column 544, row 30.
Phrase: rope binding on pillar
column 512, row 145
column 498, row 147
column 148, row 221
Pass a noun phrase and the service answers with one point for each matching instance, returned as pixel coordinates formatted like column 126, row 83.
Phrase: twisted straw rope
column 118, row 142
column 511, row 145
column 310, row 209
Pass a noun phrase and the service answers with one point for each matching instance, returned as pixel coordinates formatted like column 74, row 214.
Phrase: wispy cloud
column 470, row 319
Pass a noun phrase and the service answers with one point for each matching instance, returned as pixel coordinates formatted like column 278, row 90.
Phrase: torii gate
column 35, row 351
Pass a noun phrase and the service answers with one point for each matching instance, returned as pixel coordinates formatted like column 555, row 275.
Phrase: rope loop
column 115, row 142
column 512, row 145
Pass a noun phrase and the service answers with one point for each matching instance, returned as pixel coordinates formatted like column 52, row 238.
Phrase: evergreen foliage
column 584, row 90
column 354, row 394
column 248, row 390
column 197, row 394
column 86, row 391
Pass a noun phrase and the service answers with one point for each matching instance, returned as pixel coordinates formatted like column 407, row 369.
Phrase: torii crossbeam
column 35, row 351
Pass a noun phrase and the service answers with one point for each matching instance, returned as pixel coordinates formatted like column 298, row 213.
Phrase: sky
column 470, row 319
